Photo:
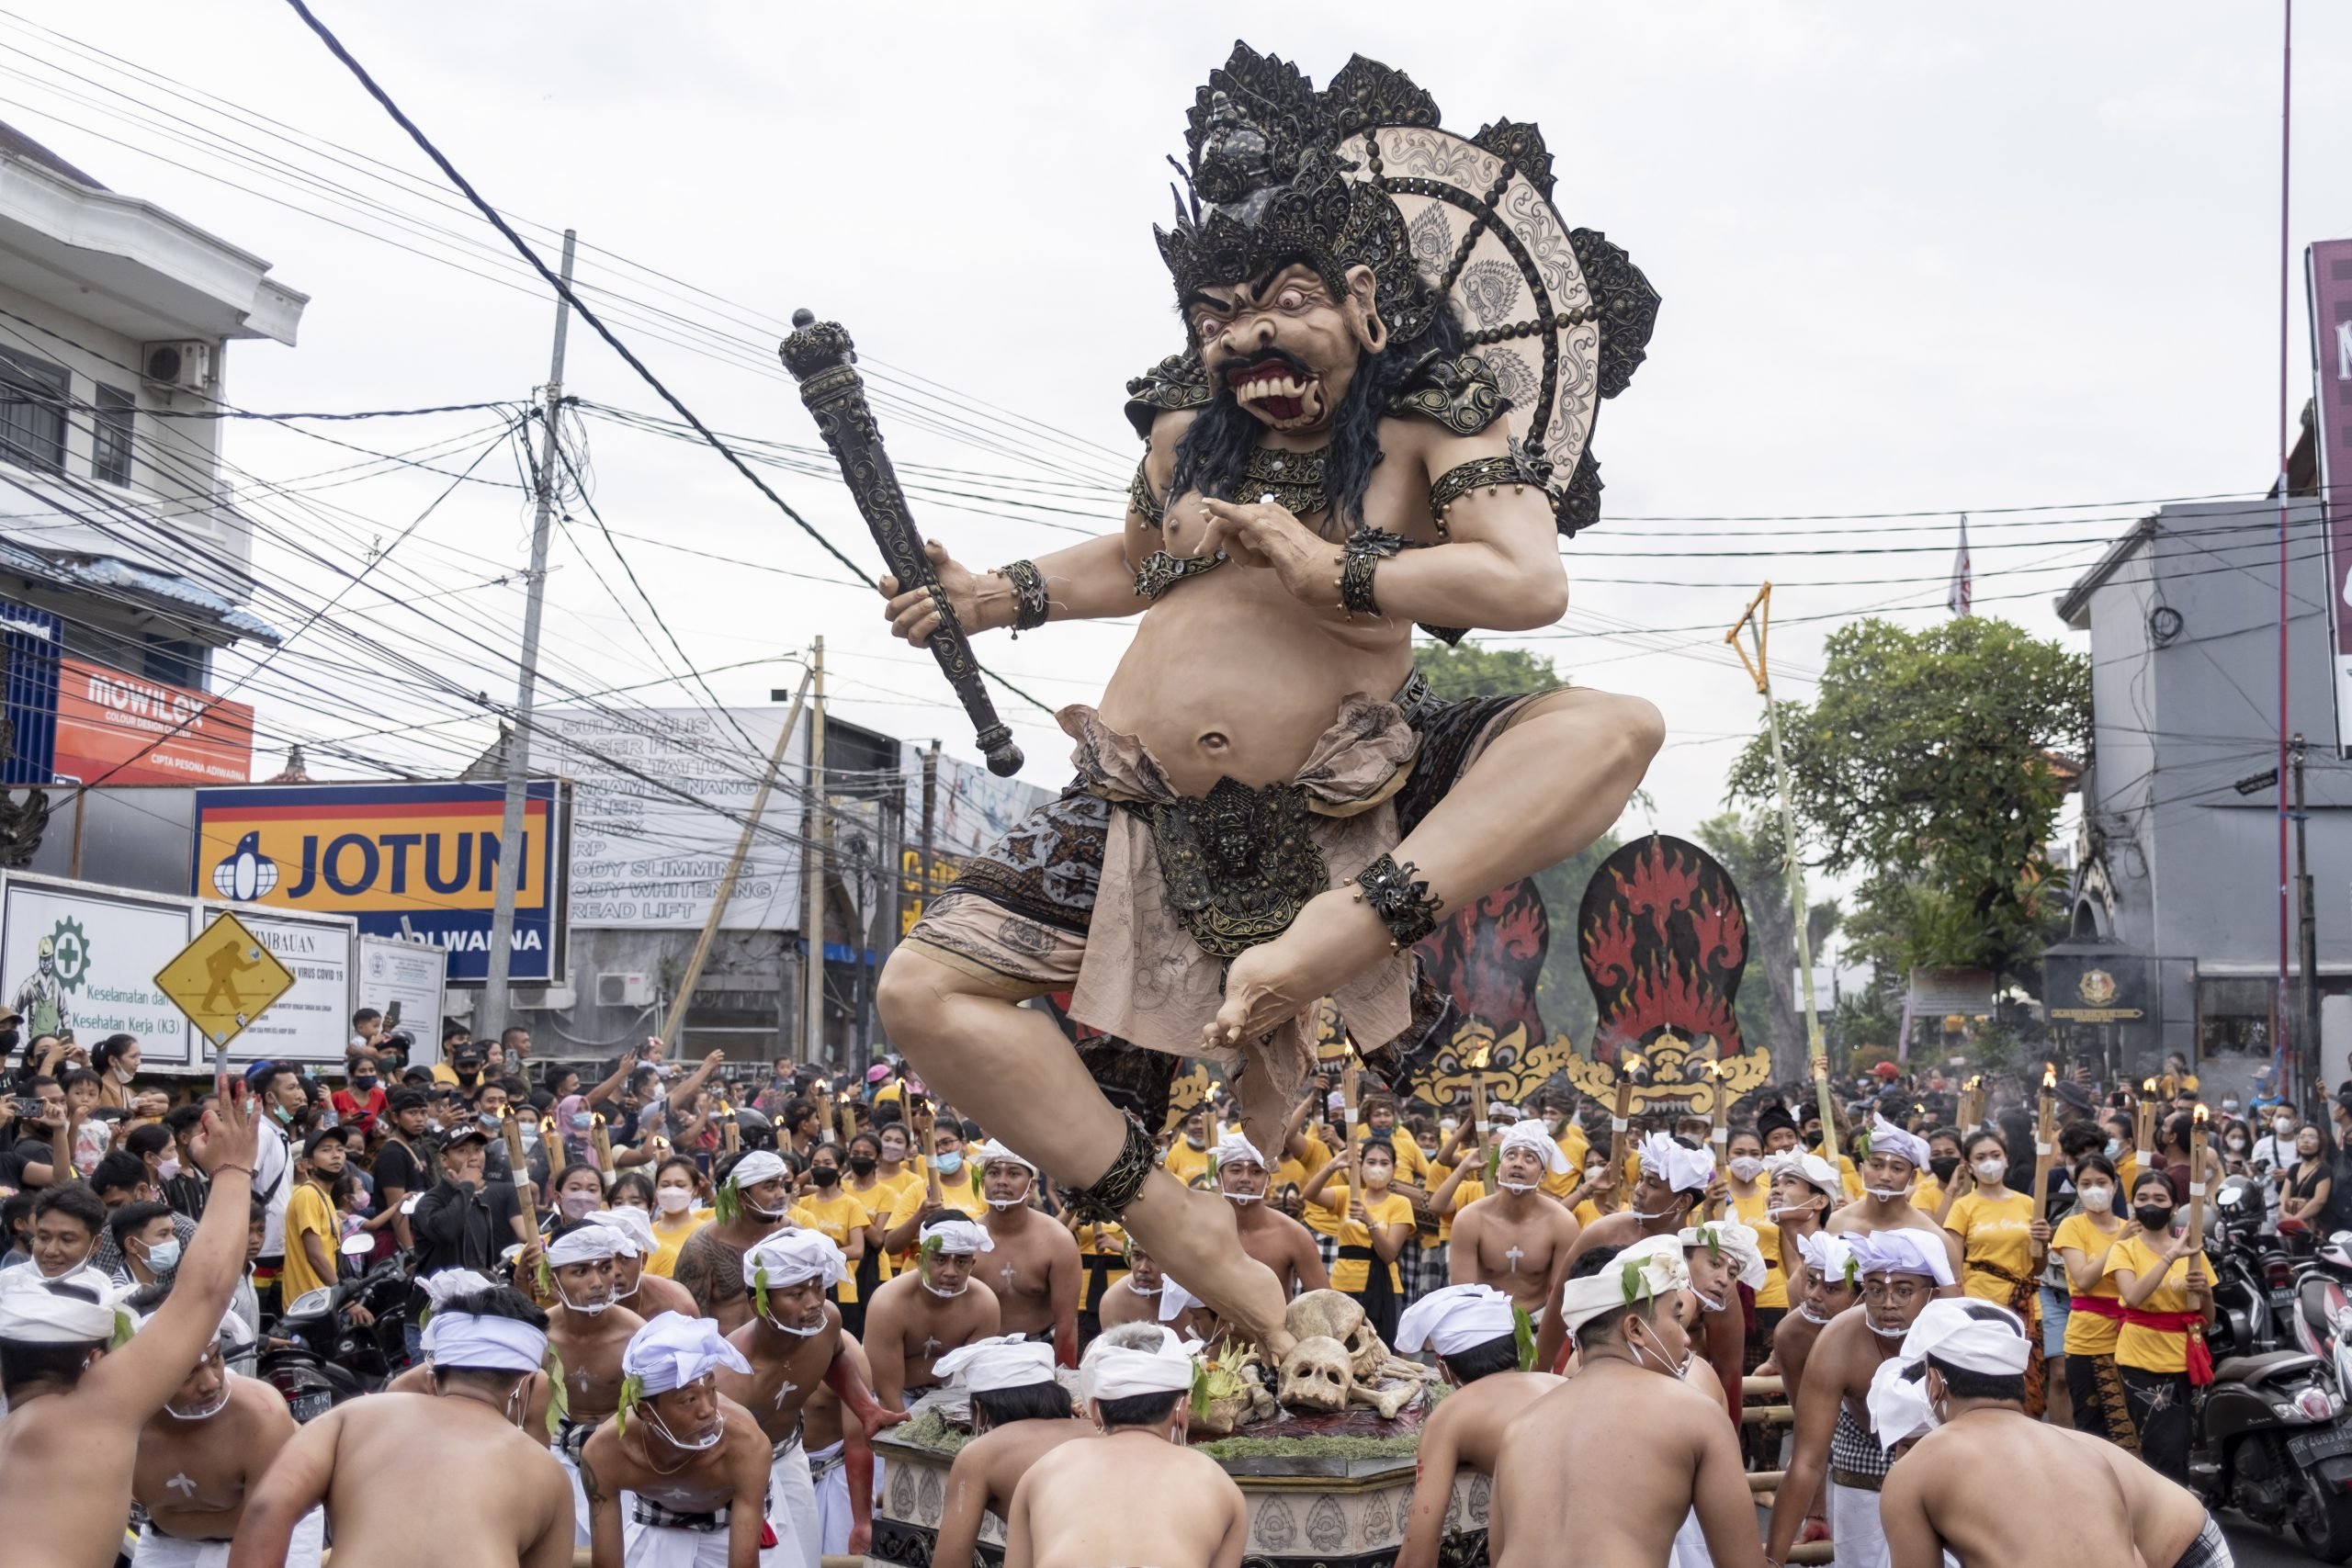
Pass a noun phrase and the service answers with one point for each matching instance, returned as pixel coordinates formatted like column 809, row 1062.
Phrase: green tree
column 1468, row 669
column 1769, row 1007
column 1925, row 763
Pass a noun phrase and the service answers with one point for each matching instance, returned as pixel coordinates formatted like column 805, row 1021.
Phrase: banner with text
column 75, row 955
column 129, row 729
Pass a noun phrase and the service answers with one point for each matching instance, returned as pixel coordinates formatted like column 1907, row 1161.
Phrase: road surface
column 2255, row 1548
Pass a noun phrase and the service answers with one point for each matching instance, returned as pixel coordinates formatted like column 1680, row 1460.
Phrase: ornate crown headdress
column 1358, row 174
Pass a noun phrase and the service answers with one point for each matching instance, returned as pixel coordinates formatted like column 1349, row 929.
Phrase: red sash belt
column 2192, row 1324
column 2100, row 1307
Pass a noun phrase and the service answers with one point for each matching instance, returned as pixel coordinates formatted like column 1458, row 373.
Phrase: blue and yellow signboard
column 415, row 862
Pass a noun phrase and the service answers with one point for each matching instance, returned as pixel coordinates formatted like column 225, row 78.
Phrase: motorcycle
column 2273, row 1441
column 319, row 1356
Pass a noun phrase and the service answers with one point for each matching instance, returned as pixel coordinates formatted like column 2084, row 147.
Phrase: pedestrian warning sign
column 224, row 980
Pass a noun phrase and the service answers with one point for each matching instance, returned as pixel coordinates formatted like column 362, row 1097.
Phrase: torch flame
column 1631, row 1065
column 2199, row 1117
column 2148, row 1086
column 1714, row 1069
column 599, row 1119
column 1975, row 1083
column 2048, row 1075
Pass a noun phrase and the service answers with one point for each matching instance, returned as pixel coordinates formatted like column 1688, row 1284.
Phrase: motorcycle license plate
column 2313, row 1447
column 307, row 1407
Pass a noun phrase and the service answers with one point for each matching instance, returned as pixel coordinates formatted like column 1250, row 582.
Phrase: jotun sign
column 413, row 862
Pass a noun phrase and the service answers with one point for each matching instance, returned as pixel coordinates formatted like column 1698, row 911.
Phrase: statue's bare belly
column 1228, row 673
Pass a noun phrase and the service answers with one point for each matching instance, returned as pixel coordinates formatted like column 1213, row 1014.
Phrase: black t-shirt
column 397, row 1166
column 22, row 1153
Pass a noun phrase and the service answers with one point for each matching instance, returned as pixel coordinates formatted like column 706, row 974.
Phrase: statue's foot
column 1265, row 1109
column 1333, row 938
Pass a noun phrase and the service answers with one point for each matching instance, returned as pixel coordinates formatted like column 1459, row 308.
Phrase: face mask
column 1428, row 1151
column 2115, row 1148
column 2155, row 1222
column 824, row 1176
column 1644, row 1216
column 585, row 1309
column 1244, row 1197
column 579, row 1205
column 1888, row 1333
column 1645, row 1357
column 1944, row 1167
column 946, row 1295
column 1552, row 1122
column 947, row 1165
column 2099, row 1199
column 2229, row 1108
column 583, row 1121
column 220, row 1403
column 861, row 1165
column 1810, row 1315
column 1198, row 1143
column 2237, row 1146
column 712, row 1442
column 122, row 1075
column 2284, row 1126
column 363, row 1082
column 1888, row 1195
column 1706, row 1301
column 796, row 1333
column 164, row 1257
column 673, row 1200
column 1790, row 1211
column 1746, row 1167
column 167, row 1168
column 1991, row 1171
column 281, row 1113
column 1522, row 1187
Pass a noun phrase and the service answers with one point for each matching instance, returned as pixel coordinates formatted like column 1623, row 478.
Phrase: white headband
column 1645, row 1270
column 1174, row 1298
column 674, row 1350
column 1727, row 1236
column 1683, row 1170
column 1902, row 1251
column 1531, row 1135
column 1898, row 1402
column 1974, row 1335
column 1003, row 1360
column 1235, row 1149
column 67, row 1311
column 633, row 1224
column 988, row 1152
column 957, row 1237
column 585, row 1244
column 464, row 1342
column 1457, row 1318
column 1809, row 1169
column 1886, row 1138
column 1113, row 1372
column 791, row 1256
column 760, row 1165
column 1830, row 1257
column 439, row 1287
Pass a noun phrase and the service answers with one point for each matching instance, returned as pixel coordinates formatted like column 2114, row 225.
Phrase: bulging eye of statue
column 1207, row 328
column 1292, row 297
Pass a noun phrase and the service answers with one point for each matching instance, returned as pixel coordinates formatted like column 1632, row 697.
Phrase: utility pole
column 673, row 1027
column 812, row 975
column 2314, row 1071
column 494, row 1016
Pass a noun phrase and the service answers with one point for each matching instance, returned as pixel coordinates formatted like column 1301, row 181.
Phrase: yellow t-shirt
column 1104, row 1241
column 2152, row 1350
column 2127, row 1173
column 2088, row 1334
column 1996, row 1233
column 886, row 1202
column 1411, row 1164
column 1318, row 1219
column 1353, row 1275
column 1757, row 1212
column 1587, row 1213
column 1928, row 1194
column 670, row 1235
column 1469, row 1192
column 1185, row 1162
column 835, row 1217
column 309, row 1208
column 1572, row 1144
column 957, row 1192
column 1850, row 1177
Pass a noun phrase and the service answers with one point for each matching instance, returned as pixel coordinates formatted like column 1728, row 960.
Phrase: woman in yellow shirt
column 1751, row 1203
column 1997, row 1230
column 1374, row 1226
column 2168, row 1300
column 843, row 1220
column 2085, row 1240
column 679, row 1186
column 879, row 1193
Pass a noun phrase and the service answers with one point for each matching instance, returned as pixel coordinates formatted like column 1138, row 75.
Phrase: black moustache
column 1244, row 369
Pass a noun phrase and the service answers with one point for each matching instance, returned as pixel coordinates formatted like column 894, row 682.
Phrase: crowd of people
column 663, row 1312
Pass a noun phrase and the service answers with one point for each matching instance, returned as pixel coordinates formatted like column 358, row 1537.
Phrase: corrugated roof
column 15, row 144
column 112, row 575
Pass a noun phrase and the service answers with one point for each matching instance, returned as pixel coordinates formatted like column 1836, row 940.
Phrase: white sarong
column 562, row 1448
column 166, row 1551
column 829, row 1472
column 792, row 1509
column 1690, row 1545
column 1854, row 1528
column 652, row 1546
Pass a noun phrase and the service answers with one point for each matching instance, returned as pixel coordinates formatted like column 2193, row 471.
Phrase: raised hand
column 1264, row 534
column 227, row 1134
column 914, row 614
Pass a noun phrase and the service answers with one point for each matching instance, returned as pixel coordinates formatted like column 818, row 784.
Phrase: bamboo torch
column 602, row 1136
column 729, row 1137
column 1621, row 1115
column 2045, row 1139
column 2197, row 1174
column 1721, row 1133
column 1971, row 1105
column 522, row 1171
column 2144, row 1129
column 1486, row 1152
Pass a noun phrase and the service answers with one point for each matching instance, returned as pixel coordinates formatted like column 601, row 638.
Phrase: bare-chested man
column 1518, row 1240
column 1471, row 1330
column 451, row 1466
column 824, row 1425
column 695, row 1462
column 1135, row 1297
column 930, row 1309
column 795, row 1345
column 1136, row 1493
column 201, row 1454
column 1674, row 1177
column 70, row 1441
column 1019, row 1414
column 588, row 1330
column 753, row 1194
column 1621, row 1455
column 1890, row 1174
column 1034, row 1267
column 1901, row 1271
column 1969, row 1358
column 648, row 1295
column 1268, row 1234
column 1803, row 1190
column 1719, row 1255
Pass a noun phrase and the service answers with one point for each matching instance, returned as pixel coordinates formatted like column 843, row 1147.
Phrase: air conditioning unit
column 615, row 989
column 176, row 367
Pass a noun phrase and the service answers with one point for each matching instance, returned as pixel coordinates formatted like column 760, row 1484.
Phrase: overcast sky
column 1913, row 260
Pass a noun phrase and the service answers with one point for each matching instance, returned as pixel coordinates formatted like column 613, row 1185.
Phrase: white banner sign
column 657, row 806
column 410, row 977
column 311, row 1022
column 77, row 956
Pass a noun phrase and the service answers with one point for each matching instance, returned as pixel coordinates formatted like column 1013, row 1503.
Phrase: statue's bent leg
column 1013, row 1070
column 1551, row 782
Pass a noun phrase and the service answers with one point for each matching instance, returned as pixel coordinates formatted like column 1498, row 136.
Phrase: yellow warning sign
column 224, row 980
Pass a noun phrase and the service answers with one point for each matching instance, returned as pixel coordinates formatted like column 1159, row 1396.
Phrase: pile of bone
column 1340, row 1361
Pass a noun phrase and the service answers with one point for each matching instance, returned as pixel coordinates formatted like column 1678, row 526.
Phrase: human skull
column 1317, row 1376
column 1342, row 1317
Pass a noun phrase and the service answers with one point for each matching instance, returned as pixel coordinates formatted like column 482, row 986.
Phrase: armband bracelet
column 1363, row 552
column 1029, row 603
column 1403, row 904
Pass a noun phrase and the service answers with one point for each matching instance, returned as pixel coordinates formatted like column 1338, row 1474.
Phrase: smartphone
column 28, row 1107
column 393, row 1016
